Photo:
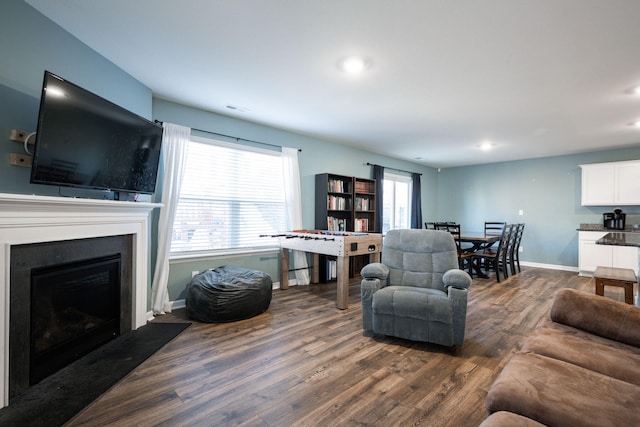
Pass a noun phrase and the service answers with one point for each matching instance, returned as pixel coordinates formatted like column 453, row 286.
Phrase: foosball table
column 341, row 244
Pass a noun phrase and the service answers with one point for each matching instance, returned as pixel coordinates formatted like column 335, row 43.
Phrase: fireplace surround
column 67, row 298
column 31, row 220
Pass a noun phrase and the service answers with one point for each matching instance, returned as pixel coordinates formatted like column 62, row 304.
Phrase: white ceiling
column 535, row 77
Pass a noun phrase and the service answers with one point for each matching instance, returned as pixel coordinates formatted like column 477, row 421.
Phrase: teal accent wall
column 547, row 190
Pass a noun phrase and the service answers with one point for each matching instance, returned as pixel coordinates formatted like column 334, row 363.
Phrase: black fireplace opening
column 75, row 308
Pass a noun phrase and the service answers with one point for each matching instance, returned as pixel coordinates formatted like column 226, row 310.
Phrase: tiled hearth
column 28, row 219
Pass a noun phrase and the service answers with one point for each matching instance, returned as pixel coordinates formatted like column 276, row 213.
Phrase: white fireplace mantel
column 26, row 219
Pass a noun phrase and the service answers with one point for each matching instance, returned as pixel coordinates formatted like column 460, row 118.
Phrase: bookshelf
column 334, row 202
column 344, row 203
column 364, row 208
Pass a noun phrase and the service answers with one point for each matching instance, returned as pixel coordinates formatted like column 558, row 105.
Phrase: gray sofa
column 417, row 292
column 580, row 367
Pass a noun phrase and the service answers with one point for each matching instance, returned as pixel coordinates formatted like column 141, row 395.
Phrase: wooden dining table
column 478, row 242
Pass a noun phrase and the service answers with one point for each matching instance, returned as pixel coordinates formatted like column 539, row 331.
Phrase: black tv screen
column 85, row 141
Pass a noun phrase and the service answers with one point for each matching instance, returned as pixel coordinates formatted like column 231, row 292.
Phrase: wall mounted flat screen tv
column 85, row 141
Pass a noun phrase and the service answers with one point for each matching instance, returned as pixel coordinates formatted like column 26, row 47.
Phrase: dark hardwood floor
column 306, row 363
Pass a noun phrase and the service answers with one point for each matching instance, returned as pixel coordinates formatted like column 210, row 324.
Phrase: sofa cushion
column 589, row 351
column 601, row 316
column 509, row 419
column 557, row 393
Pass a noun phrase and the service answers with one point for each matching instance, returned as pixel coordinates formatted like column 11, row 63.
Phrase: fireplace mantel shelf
column 27, row 219
column 33, row 205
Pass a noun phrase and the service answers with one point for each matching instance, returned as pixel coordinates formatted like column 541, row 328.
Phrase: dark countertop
column 620, row 239
column 600, row 227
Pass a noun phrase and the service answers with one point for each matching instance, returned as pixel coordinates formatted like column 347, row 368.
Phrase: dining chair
column 465, row 258
column 498, row 259
column 445, row 225
column 514, row 255
column 493, row 228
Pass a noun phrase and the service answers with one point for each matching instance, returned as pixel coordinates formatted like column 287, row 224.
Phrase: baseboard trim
column 549, row 266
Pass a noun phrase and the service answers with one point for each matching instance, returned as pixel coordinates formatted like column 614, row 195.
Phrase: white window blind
column 230, row 195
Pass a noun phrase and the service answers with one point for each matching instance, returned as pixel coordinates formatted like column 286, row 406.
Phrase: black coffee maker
column 614, row 220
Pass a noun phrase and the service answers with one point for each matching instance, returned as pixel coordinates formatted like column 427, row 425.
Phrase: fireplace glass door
column 75, row 308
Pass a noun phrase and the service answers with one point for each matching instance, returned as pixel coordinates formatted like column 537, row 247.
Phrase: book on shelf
column 337, row 203
column 336, row 224
column 335, row 186
column 365, row 186
column 332, row 270
column 362, row 203
column 361, row 224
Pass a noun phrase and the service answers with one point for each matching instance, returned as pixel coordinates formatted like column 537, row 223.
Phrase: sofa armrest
column 598, row 315
column 456, row 278
column 375, row 270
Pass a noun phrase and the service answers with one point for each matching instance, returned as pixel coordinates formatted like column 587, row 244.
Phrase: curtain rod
column 233, row 137
column 399, row 170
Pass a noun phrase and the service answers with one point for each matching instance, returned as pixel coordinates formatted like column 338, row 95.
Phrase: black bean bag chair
column 228, row 293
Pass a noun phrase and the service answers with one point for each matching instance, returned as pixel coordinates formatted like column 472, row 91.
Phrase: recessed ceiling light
column 486, row 145
column 636, row 90
column 636, row 124
column 354, row 64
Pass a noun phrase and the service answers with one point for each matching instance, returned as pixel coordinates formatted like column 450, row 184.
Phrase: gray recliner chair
column 417, row 292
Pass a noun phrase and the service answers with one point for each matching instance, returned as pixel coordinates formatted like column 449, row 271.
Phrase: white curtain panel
column 293, row 202
column 175, row 144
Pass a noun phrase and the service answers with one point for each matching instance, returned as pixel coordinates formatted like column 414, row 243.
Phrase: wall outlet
column 194, row 273
column 521, row 212
column 520, row 249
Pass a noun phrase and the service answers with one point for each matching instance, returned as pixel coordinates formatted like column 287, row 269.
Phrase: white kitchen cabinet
column 625, row 257
column 597, row 184
column 627, row 186
column 591, row 255
column 611, row 184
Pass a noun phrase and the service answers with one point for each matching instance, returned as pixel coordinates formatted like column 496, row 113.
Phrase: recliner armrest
column 375, row 270
column 456, row 278
column 369, row 286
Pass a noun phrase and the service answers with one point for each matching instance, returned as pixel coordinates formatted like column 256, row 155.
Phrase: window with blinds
column 230, row 195
column 396, row 202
